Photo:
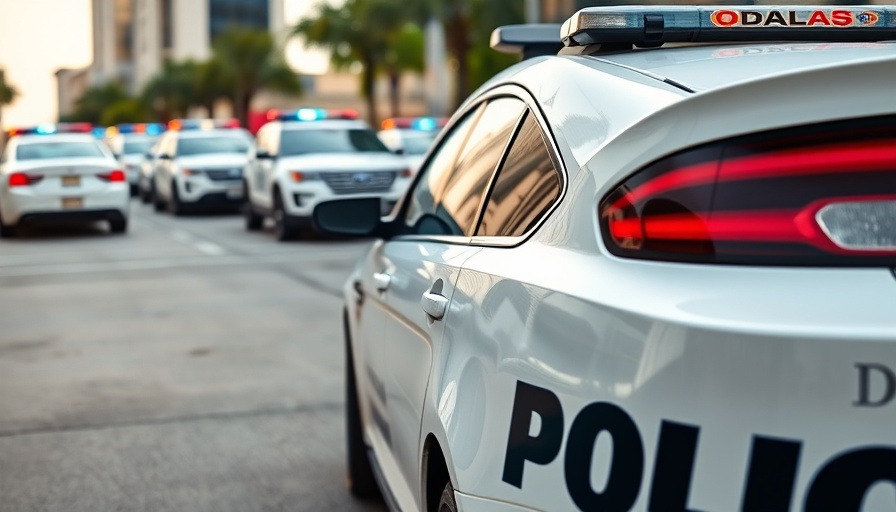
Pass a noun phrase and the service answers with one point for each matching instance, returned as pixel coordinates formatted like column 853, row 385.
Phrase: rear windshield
column 134, row 146
column 204, row 145
column 337, row 140
column 40, row 150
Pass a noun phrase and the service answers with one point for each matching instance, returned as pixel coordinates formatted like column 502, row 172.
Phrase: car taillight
column 813, row 195
column 20, row 179
column 115, row 176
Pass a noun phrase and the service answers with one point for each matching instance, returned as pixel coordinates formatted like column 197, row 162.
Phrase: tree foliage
column 95, row 100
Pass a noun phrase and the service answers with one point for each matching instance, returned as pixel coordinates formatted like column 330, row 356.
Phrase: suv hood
column 213, row 160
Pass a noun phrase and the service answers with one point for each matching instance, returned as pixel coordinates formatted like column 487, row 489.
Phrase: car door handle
column 382, row 281
column 434, row 304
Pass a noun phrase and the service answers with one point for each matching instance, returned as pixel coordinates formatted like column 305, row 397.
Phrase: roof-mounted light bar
column 311, row 114
column 51, row 128
column 655, row 25
column 529, row 40
column 202, row 124
column 426, row 124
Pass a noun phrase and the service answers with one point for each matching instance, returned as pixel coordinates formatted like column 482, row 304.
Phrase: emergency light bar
column 427, row 124
column 147, row 128
column 51, row 128
column 311, row 114
column 202, row 124
column 655, row 25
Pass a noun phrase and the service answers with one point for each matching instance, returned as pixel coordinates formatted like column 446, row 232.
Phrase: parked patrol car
column 641, row 274
column 131, row 143
column 310, row 155
column 60, row 172
column 200, row 163
column 410, row 137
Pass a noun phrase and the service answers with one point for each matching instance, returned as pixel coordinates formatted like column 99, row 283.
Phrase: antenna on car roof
column 529, row 40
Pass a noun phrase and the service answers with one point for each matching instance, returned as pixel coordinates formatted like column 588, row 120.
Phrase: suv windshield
column 203, row 145
column 335, row 140
column 39, row 150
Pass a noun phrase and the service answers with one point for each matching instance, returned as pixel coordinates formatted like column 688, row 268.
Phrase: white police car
column 655, row 278
column 200, row 163
column 131, row 143
column 410, row 137
column 311, row 155
column 60, row 172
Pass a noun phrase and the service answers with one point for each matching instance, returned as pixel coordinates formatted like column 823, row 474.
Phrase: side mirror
column 399, row 151
column 118, row 155
column 355, row 218
column 165, row 156
column 263, row 155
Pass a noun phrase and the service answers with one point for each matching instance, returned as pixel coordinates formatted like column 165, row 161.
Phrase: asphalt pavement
column 186, row 366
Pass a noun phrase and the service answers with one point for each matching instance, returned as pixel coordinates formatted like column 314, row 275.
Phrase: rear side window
column 40, row 150
column 301, row 142
column 526, row 187
column 815, row 195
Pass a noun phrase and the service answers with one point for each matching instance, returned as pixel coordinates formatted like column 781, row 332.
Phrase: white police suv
column 653, row 271
column 410, row 137
column 131, row 143
column 311, row 155
column 200, row 163
column 60, row 172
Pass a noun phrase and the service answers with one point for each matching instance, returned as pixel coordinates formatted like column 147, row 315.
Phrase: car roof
column 55, row 137
column 706, row 67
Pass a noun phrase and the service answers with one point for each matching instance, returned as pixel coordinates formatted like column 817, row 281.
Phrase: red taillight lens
column 116, row 176
column 19, row 179
column 818, row 195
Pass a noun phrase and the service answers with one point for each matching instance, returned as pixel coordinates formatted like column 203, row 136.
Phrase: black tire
column 175, row 206
column 157, row 203
column 446, row 502
column 284, row 230
column 359, row 474
column 118, row 226
column 145, row 198
column 7, row 230
column 254, row 221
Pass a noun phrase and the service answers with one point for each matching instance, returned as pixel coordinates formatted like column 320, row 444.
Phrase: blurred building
column 71, row 84
column 132, row 38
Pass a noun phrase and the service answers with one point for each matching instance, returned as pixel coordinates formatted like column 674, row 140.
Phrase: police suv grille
column 224, row 174
column 359, row 182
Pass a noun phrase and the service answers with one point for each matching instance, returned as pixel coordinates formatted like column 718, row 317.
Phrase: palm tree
column 171, row 92
column 95, row 100
column 212, row 83
column 250, row 61
column 342, row 31
column 8, row 95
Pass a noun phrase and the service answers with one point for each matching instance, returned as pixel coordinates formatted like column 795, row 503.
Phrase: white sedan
column 636, row 276
column 61, row 177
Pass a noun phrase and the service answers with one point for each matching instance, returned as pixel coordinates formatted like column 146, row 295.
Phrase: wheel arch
column 435, row 473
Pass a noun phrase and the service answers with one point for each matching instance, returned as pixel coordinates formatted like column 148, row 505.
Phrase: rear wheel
column 118, row 226
column 157, row 203
column 145, row 198
column 359, row 475
column 446, row 502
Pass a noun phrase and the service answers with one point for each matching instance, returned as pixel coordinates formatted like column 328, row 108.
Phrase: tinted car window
column 427, row 191
column 199, row 146
column 526, row 187
column 300, row 142
column 40, row 150
column 466, row 187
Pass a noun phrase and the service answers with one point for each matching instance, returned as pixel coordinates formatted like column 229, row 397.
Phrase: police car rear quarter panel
column 759, row 368
column 741, row 354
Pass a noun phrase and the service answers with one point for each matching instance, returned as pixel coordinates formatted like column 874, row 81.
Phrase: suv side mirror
column 165, row 156
column 263, row 155
column 354, row 218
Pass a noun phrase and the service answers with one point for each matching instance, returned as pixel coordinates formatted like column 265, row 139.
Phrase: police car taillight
column 20, row 179
column 654, row 25
column 116, row 176
column 819, row 195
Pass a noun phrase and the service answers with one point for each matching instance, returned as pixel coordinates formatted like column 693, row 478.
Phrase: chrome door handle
column 434, row 305
column 382, row 281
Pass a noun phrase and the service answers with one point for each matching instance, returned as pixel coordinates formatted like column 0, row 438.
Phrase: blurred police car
column 311, row 155
column 200, row 163
column 410, row 137
column 639, row 277
column 131, row 143
column 60, row 173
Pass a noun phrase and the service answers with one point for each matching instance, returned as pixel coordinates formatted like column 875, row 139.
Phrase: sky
column 37, row 37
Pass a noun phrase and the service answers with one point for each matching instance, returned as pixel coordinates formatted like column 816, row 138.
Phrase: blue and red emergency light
column 311, row 114
column 202, row 124
column 51, row 128
column 426, row 124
